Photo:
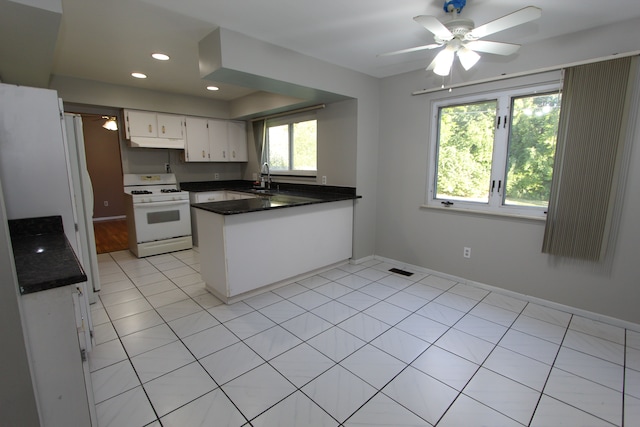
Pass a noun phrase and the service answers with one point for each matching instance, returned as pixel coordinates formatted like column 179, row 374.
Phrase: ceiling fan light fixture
column 110, row 124
column 444, row 61
column 468, row 58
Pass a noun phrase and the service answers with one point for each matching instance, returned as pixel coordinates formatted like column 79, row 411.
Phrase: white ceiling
column 107, row 40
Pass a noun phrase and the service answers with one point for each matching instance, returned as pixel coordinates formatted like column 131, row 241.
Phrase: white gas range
column 158, row 216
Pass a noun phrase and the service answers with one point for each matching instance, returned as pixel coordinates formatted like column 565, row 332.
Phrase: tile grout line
column 357, row 311
column 544, row 386
column 196, row 359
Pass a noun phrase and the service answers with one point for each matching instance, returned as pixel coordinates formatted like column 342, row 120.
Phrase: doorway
column 104, row 165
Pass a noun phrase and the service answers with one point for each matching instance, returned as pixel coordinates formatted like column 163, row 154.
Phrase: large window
column 495, row 152
column 291, row 145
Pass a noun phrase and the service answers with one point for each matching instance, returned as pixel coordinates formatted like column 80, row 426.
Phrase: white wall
column 505, row 252
column 274, row 65
column 112, row 98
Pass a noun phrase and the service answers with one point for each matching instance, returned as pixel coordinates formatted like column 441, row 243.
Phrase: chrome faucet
column 266, row 166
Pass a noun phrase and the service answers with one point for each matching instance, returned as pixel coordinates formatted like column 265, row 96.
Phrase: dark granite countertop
column 281, row 195
column 276, row 187
column 43, row 256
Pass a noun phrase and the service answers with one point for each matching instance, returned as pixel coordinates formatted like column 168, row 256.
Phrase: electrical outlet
column 324, row 180
column 466, row 252
column 216, row 176
column 106, row 203
column 167, row 168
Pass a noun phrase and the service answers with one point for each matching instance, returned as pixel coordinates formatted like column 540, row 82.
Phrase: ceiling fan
column 460, row 36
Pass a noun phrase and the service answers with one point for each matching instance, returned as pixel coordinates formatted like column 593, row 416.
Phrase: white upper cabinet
column 218, row 140
column 141, row 123
column 215, row 140
column 155, row 125
column 197, row 142
column 203, row 139
column 237, row 137
column 170, row 126
column 154, row 130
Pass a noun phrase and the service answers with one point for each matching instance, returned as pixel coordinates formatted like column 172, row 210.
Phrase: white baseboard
column 562, row 307
column 361, row 260
column 109, row 218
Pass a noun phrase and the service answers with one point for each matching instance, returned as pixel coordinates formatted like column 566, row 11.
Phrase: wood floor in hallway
column 111, row 235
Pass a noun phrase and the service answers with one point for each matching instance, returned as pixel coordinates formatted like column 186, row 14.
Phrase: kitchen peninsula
column 249, row 246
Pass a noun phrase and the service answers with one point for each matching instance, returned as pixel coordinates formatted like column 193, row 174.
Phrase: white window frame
column 495, row 204
column 290, row 120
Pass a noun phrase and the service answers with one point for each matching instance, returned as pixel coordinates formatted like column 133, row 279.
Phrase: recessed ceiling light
column 213, row 88
column 139, row 75
column 160, row 56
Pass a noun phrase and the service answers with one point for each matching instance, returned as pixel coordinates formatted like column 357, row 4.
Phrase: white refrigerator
column 43, row 168
column 43, row 173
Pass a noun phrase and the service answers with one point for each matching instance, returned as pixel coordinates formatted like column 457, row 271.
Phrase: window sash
column 495, row 203
column 289, row 122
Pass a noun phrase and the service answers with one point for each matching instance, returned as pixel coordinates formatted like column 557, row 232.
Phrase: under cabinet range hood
column 148, row 129
column 153, row 142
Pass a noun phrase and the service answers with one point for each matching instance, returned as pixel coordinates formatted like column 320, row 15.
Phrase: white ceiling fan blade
column 511, row 20
column 411, row 49
column 432, row 24
column 497, row 48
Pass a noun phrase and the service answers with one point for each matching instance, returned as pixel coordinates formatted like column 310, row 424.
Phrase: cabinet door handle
column 224, row 154
column 203, row 154
column 150, row 129
column 233, row 153
column 163, row 129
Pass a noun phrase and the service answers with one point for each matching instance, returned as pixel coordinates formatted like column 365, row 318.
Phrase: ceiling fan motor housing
column 451, row 5
column 459, row 27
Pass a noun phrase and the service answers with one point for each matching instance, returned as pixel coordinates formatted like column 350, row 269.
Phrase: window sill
column 293, row 174
column 505, row 215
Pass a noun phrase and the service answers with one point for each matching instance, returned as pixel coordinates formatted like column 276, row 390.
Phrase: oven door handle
column 155, row 204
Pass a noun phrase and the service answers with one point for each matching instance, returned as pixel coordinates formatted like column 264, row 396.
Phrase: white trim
column 524, row 73
column 362, row 260
column 487, row 213
column 109, row 218
column 503, row 98
column 557, row 306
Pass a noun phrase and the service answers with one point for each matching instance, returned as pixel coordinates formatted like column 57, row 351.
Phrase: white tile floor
column 353, row 346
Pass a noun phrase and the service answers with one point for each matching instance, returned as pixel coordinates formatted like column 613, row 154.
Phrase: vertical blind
column 591, row 136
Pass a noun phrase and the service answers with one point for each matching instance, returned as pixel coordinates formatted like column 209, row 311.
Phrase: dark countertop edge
column 235, row 207
column 240, row 185
column 55, row 266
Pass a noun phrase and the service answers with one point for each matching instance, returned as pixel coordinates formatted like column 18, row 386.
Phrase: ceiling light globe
column 468, row 58
column 444, row 60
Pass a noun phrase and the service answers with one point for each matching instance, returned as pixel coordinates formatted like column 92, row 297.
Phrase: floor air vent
column 398, row 271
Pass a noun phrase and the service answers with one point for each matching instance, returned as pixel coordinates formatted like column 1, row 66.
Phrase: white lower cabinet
column 291, row 243
column 57, row 329
column 211, row 196
column 238, row 195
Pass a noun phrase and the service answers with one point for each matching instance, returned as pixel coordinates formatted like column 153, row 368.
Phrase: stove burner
column 169, row 190
column 141, row 192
